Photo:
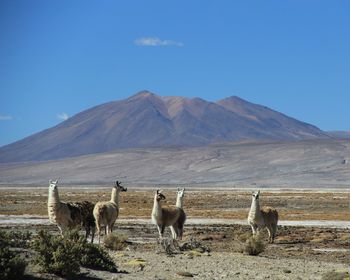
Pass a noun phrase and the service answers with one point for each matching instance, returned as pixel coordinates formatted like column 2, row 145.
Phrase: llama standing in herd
column 180, row 194
column 70, row 215
column 180, row 197
column 167, row 216
column 107, row 212
column 265, row 217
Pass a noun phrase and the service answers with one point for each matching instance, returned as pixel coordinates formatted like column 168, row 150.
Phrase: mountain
column 340, row 134
column 148, row 120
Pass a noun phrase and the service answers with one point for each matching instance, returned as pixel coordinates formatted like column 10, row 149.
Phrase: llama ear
column 178, row 189
column 258, row 192
column 50, row 181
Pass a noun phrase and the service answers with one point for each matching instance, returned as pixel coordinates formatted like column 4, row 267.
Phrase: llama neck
column 255, row 207
column 115, row 196
column 179, row 201
column 53, row 197
column 157, row 208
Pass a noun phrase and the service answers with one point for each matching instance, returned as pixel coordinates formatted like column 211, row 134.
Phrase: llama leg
column 112, row 226
column 93, row 234
column 173, row 232
column 274, row 230
column 98, row 227
column 87, row 232
column 254, row 229
column 270, row 234
column 177, row 232
column 62, row 228
column 160, row 231
column 180, row 232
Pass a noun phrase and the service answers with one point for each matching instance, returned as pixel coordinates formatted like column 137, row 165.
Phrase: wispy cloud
column 156, row 42
column 62, row 116
column 6, row 118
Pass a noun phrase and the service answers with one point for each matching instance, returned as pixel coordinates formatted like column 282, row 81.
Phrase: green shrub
column 254, row 246
column 58, row 254
column 16, row 238
column 96, row 257
column 115, row 241
column 64, row 255
column 12, row 266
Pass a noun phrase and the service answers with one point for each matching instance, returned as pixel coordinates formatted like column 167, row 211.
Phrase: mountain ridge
column 148, row 120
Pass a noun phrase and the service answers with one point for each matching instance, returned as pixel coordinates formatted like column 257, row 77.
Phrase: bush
column 115, row 241
column 64, row 255
column 96, row 258
column 254, row 246
column 11, row 265
column 58, row 254
column 16, row 238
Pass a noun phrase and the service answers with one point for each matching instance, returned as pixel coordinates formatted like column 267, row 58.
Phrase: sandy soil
column 223, row 204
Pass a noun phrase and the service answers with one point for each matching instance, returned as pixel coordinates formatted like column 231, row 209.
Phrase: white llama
column 175, row 230
column 167, row 216
column 260, row 218
column 68, row 215
column 106, row 212
column 180, row 197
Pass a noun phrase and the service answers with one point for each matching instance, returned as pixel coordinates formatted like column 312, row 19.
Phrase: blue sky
column 58, row 58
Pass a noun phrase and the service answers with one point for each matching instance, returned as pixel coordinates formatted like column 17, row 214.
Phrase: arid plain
column 313, row 236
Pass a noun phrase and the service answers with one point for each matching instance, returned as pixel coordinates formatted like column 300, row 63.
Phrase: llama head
column 53, row 184
column 159, row 195
column 256, row 195
column 119, row 187
column 180, row 192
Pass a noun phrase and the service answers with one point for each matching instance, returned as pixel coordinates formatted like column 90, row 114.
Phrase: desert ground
column 313, row 235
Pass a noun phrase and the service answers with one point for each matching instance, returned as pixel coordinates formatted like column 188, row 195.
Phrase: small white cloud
column 62, row 116
column 6, row 118
column 156, row 42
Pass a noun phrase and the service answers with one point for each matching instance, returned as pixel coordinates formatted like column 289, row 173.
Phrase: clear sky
column 58, row 58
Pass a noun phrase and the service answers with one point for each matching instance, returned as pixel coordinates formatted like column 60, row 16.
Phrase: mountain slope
column 148, row 120
column 300, row 164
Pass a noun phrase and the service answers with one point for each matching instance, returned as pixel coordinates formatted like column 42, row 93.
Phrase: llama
column 167, row 216
column 180, row 197
column 106, row 212
column 70, row 215
column 260, row 218
column 179, row 203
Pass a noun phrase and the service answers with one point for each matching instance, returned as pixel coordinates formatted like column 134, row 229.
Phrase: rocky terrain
column 216, row 222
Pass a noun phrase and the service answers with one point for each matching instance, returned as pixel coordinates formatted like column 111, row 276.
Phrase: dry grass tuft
column 254, row 246
column 336, row 275
column 115, row 241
